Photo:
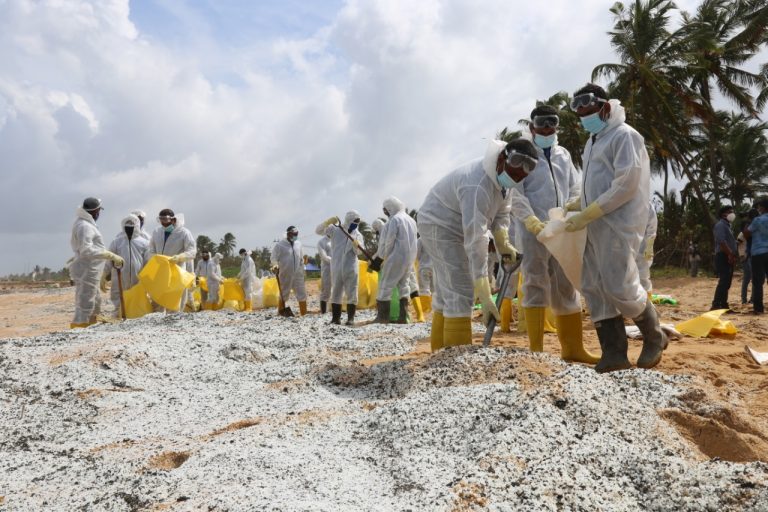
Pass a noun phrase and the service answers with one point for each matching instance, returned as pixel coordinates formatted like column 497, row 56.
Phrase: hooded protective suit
column 142, row 232
column 179, row 242
column 214, row 278
column 553, row 183
column 453, row 222
column 135, row 252
column 617, row 177
column 86, row 267
column 397, row 247
column 324, row 250
column 344, row 264
column 288, row 256
column 425, row 270
column 644, row 261
column 247, row 275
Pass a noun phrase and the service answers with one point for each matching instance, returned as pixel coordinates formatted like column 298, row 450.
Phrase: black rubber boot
column 613, row 342
column 654, row 339
column 382, row 311
column 335, row 313
column 351, row 308
column 403, row 318
column 323, row 306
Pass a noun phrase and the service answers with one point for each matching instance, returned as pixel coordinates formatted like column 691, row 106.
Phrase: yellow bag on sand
column 137, row 303
column 367, row 287
column 549, row 316
column 231, row 290
column 269, row 293
column 235, row 305
column 706, row 324
column 204, row 284
column 165, row 281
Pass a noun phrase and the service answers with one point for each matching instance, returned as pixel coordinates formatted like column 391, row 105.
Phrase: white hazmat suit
column 324, row 250
column 397, row 247
column 344, row 263
column 425, row 270
column 86, row 268
column 288, row 256
column 645, row 254
column 179, row 242
column 247, row 275
column 135, row 252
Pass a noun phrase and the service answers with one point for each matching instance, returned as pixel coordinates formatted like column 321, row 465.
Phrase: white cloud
column 384, row 100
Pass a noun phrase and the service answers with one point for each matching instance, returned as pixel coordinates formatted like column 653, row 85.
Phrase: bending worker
column 453, row 222
column 614, row 209
column 247, row 277
column 172, row 239
column 397, row 249
column 345, row 270
column 134, row 249
column 324, row 250
column 288, row 261
column 88, row 263
column 553, row 183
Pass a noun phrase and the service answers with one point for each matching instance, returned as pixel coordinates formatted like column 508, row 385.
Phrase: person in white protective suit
column 203, row 269
column 214, row 279
column 345, row 244
column 288, row 265
column 247, row 277
column 172, row 239
column 134, row 249
column 397, row 254
column 425, row 280
column 453, row 222
column 88, row 262
column 324, row 250
column 613, row 207
column 553, row 183
column 142, row 217
column 645, row 254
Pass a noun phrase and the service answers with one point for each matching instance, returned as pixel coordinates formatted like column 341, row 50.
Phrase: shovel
column 120, row 288
column 286, row 310
column 362, row 249
column 509, row 268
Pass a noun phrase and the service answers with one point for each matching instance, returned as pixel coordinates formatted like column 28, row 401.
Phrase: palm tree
column 204, row 243
column 744, row 158
column 227, row 245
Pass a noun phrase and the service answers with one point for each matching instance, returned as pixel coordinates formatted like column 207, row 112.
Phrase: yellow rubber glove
column 331, row 220
column 503, row 247
column 114, row 258
column 580, row 220
column 533, row 224
column 573, row 205
column 483, row 294
column 648, row 252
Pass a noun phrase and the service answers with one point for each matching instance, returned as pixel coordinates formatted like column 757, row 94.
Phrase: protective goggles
column 585, row 100
column 548, row 121
column 521, row 160
column 165, row 218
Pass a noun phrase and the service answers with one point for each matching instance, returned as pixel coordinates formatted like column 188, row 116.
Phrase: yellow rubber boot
column 436, row 336
column 534, row 320
column 571, row 340
column 247, row 305
column 426, row 303
column 303, row 307
column 417, row 306
column 78, row 326
column 457, row 331
column 506, row 314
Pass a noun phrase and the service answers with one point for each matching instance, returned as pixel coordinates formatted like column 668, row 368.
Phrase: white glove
column 114, row 258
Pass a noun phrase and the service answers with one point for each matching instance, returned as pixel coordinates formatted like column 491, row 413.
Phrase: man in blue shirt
column 725, row 256
column 759, row 230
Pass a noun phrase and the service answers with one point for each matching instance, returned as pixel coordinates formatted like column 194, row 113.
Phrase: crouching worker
column 453, row 222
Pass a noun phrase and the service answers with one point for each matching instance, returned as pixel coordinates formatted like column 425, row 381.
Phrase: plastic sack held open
column 165, row 282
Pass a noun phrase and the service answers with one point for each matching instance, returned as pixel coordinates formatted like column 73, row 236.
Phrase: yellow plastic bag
column 165, row 282
column 204, row 284
column 137, row 303
column 706, row 324
column 549, row 316
column 231, row 290
column 270, row 294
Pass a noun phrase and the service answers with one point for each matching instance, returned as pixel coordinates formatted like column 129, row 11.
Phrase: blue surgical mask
column 545, row 141
column 352, row 227
column 505, row 180
column 169, row 228
column 592, row 123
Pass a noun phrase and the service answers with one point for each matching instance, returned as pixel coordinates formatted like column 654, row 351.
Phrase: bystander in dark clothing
column 694, row 259
column 725, row 257
column 759, row 230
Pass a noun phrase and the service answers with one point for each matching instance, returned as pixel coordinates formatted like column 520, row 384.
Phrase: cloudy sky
column 248, row 116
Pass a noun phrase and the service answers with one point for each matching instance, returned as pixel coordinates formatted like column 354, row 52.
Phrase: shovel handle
column 508, row 270
column 362, row 249
column 120, row 286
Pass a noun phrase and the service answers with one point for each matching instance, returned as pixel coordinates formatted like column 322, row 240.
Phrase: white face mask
column 730, row 217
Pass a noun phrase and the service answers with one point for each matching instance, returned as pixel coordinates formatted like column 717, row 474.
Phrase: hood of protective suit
column 378, row 224
column 136, row 225
column 393, row 205
column 82, row 214
column 491, row 157
column 618, row 114
column 217, row 257
column 179, row 220
column 349, row 217
column 329, row 231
